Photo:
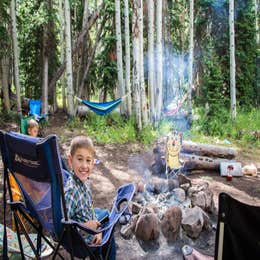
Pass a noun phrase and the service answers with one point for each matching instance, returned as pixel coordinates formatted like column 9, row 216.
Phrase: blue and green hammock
column 102, row 108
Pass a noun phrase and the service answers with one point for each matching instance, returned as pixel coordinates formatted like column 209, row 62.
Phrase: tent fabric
column 241, row 229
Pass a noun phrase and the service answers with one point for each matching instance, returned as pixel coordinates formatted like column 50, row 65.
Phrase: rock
column 185, row 186
column 147, row 210
column 193, row 221
column 202, row 197
column 136, row 208
column 184, row 179
column 172, row 184
column 126, row 231
column 147, row 227
column 160, row 185
column 198, row 199
column 179, row 195
column 153, row 208
column 210, row 205
column 140, row 187
column 257, row 165
column 140, row 198
column 250, row 170
column 171, row 223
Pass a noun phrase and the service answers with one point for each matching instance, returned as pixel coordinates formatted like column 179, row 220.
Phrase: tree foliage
column 211, row 50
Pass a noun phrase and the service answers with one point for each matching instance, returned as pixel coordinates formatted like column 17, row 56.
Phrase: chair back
column 35, row 164
column 238, row 230
column 35, row 107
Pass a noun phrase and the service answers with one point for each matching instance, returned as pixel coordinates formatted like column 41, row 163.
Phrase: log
column 208, row 150
column 198, row 162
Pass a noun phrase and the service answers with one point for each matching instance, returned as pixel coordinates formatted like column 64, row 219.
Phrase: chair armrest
column 80, row 226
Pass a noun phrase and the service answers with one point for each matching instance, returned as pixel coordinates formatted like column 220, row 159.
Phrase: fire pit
column 168, row 213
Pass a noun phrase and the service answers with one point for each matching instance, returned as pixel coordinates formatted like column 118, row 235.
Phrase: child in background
column 78, row 194
column 32, row 128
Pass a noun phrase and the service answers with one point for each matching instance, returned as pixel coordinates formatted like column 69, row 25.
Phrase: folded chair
column 173, row 147
column 35, row 109
column 237, row 235
column 36, row 166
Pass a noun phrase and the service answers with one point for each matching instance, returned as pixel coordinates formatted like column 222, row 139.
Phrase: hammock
column 102, row 108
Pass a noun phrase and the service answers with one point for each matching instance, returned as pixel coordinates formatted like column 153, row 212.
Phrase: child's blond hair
column 81, row 141
column 31, row 124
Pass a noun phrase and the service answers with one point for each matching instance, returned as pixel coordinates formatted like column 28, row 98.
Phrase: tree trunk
column 232, row 60
column 5, row 64
column 127, row 59
column 62, row 59
column 191, row 47
column 69, row 59
column 76, row 45
column 135, row 70
column 45, row 71
column 151, row 58
column 90, row 59
column 159, row 87
column 120, row 76
column 208, row 150
column 141, row 68
column 257, row 9
column 16, row 58
column 83, row 54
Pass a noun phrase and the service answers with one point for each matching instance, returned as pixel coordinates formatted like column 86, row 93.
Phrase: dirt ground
column 115, row 167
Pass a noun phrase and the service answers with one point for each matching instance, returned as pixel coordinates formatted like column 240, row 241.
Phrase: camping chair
column 24, row 122
column 173, row 147
column 35, row 110
column 36, row 165
column 34, row 113
column 238, row 231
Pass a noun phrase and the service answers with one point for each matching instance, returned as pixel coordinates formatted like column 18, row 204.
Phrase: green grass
column 114, row 129
column 240, row 132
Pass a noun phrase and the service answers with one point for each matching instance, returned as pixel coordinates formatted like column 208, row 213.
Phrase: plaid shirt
column 79, row 202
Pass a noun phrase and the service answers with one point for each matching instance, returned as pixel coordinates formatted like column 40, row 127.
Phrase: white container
column 231, row 168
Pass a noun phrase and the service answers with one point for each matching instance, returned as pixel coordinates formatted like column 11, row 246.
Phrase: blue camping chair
column 35, row 109
column 36, row 165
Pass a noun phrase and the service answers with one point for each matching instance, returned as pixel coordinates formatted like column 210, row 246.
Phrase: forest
column 185, row 59
column 166, row 89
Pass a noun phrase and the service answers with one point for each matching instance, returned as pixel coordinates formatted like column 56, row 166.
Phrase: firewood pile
column 194, row 156
column 197, row 156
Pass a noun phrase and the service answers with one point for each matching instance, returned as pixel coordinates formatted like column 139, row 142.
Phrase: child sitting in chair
column 77, row 190
column 32, row 128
